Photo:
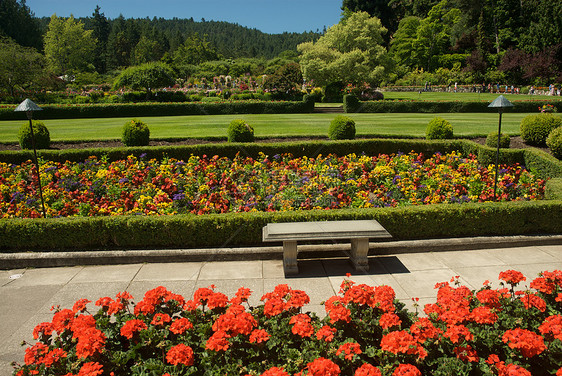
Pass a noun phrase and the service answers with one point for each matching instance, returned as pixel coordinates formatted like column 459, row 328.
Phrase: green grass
column 442, row 96
column 274, row 125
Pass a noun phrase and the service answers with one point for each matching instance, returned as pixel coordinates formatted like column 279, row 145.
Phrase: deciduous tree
column 68, row 47
column 350, row 52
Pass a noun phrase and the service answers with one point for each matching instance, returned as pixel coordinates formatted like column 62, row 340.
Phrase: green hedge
column 245, row 229
column 160, row 109
column 404, row 106
column 297, row 148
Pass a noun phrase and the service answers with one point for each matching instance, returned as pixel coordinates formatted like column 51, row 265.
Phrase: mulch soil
column 516, row 143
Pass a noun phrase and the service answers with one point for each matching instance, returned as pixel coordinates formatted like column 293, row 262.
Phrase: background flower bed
column 203, row 185
column 366, row 331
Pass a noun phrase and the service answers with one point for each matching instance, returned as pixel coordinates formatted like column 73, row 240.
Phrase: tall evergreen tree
column 101, row 30
column 18, row 22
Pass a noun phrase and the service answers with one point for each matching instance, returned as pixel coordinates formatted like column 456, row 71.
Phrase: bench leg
column 290, row 257
column 359, row 251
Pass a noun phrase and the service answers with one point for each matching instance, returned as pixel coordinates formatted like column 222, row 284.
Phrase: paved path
column 26, row 301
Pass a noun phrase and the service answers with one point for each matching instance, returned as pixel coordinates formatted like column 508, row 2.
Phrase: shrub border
column 244, row 229
column 50, row 111
column 353, row 105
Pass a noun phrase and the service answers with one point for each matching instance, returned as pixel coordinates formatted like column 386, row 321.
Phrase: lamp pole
column 500, row 103
column 29, row 106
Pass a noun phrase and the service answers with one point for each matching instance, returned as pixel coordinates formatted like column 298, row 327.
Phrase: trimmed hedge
column 245, row 229
column 161, row 109
column 434, row 107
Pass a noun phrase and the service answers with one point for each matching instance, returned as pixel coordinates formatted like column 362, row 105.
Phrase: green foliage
column 342, row 128
column 68, row 46
column 240, row 131
column 145, row 76
column 554, row 142
column 350, row 52
column 196, row 231
column 20, row 67
column 492, row 140
column 40, row 133
column 437, row 106
column 350, row 103
column 135, row 133
column 536, row 128
column 439, row 129
column 164, row 109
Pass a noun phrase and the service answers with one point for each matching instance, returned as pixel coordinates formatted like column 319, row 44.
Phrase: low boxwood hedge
column 244, row 229
column 405, row 106
column 161, row 109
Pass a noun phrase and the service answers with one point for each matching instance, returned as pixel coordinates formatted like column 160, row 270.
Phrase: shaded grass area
column 270, row 125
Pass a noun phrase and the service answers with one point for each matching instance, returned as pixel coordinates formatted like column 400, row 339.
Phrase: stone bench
column 359, row 232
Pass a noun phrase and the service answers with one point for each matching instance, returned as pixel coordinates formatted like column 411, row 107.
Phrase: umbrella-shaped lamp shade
column 28, row 105
column 500, row 102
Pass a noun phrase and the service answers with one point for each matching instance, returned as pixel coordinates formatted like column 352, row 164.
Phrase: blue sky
column 269, row 16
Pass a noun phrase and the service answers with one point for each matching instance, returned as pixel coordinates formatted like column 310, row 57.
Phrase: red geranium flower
column 275, row 371
column 388, row 320
column 91, row 369
column 350, row 349
column 527, row 342
column 326, row 333
column 323, row 367
column 180, row 354
column 367, row 370
column 406, row 370
column 180, row 326
column 131, row 327
column 512, row 277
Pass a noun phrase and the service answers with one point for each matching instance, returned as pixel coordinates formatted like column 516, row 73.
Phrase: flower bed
column 203, row 185
column 366, row 331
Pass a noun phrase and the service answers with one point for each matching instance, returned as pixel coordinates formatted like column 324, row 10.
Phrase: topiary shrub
column 492, row 140
column 41, row 133
column 342, row 128
column 554, row 142
column 439, row 129
column 240, row 131
column 536, row 128
column 135, row 133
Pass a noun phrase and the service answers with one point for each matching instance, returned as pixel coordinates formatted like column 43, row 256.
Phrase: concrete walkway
column 27, row 294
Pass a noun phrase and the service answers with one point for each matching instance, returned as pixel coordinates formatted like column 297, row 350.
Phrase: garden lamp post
column 28, row 106
column 500, row 103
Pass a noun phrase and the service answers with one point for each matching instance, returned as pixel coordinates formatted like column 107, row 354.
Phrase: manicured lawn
column 274, row 125
column 441, row 96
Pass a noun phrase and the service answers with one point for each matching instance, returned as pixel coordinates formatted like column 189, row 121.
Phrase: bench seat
column 359, row 232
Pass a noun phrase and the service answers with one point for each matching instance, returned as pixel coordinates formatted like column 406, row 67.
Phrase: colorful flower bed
column 365, row 332
column 218, row 185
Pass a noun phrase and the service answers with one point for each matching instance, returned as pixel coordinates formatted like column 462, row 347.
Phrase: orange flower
column 323, row 367
column 350, row 349
column 512, row 277
column 218, row 342
column 301, row 325
column 388, row 320
column 180, row 326
column 552, row 325
column 131, row 327
column 161, row 319
column 275, row 371
column 259, row 336
column 180, row 354
column 406, row 370
column 367, row 370
column 527, row 342
column 326, row 333
column 91, row 369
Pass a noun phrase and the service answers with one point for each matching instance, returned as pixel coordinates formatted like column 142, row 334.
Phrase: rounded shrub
column 135, row 133
column 535, row 129
column 342, row 128
column 492, row 140
column 240, row 131
column 41, row 133
column 554, row 142
column 439, row 129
